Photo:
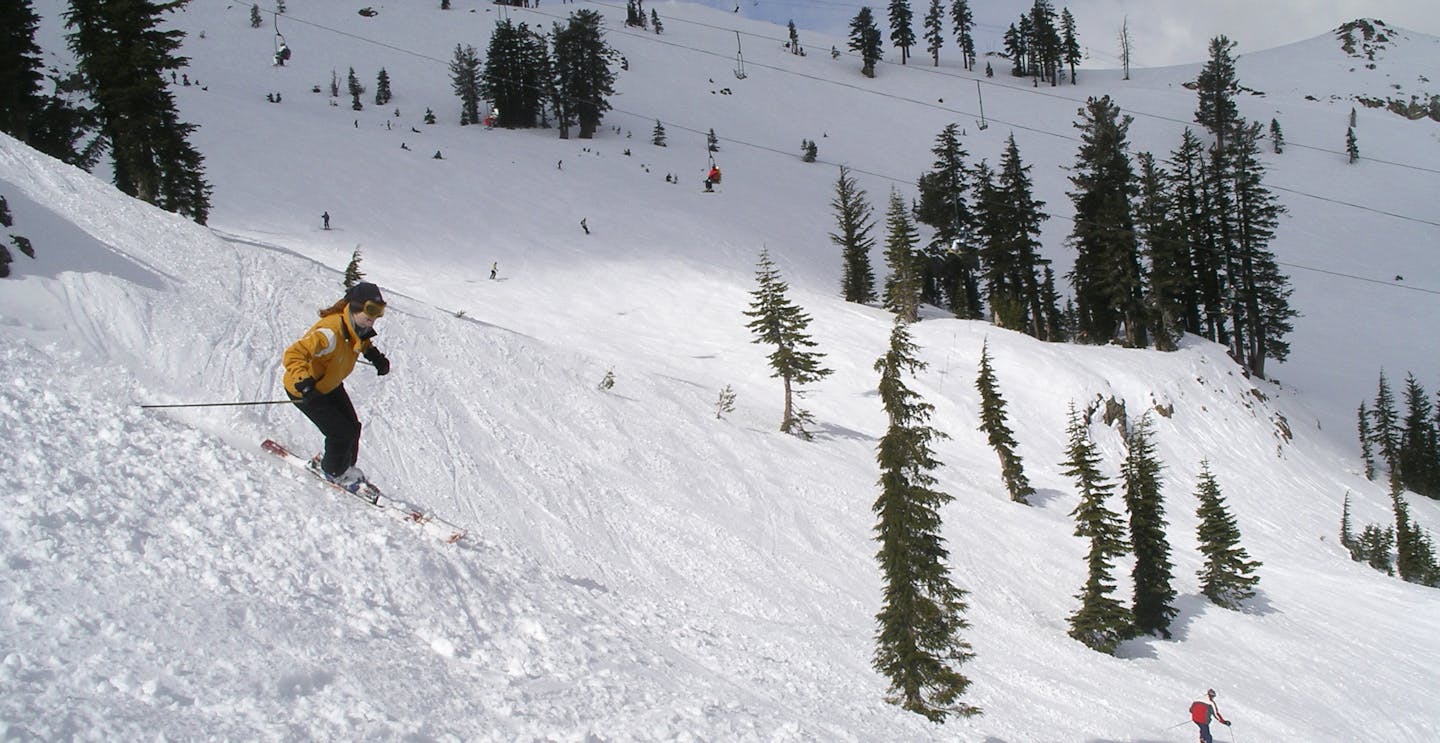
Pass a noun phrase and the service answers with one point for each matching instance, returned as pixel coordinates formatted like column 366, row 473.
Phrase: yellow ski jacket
column 327, row 352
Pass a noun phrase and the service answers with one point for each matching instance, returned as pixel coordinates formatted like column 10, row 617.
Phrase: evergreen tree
column 1070, row 51
column 1260, row 292
column 1047, row 47
column 918, row 643
column 865, row 40
column 1347, row 532
column 1277, row 137
column 1192, row 208
column 352, row 84
column 429, row 116
column 1153, row 572
column 465, row 82
column 964, row 22
column 952, row 258
column 712, row 142
column 583, row 76
column 123, row 55
column 1414, row 549
column 382, row 88
column 1367, row 452
column 902, row 287
column 808, row 150
column 1228, row 576
column 1418, row 453
column 516, row 75
column 1376, row 546
column 1009, row 220
column 780, row 323
column 657, row 135
column 353, row 275
column 1385, row 428
column 1108, row 290
column 1170, row 275
column 1002, row 440
column 255, row 20
column 21, row 69
column 1015, row 40
column 1352, row 146
column 1217, row 87
column 902, row 32
column 853, row 222
column 794, row 35
column 935, row 31
column 1101, row 622
column 658, row 27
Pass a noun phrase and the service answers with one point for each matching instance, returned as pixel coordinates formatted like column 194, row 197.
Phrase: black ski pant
column 334, row 415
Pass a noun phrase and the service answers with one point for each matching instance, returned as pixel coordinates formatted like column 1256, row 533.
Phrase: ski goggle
column 374, row 309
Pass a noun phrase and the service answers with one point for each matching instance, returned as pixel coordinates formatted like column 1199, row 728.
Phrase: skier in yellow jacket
column 315, row 370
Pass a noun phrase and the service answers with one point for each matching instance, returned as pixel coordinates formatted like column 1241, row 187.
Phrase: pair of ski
column 372, row 496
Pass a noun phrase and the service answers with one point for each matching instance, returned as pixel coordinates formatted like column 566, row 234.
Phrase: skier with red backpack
column 1202, row 711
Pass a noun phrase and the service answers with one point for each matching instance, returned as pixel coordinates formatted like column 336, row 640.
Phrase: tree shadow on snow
column 1043, row 497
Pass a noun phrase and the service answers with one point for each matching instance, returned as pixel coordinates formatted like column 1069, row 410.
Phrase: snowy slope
column 638, row 569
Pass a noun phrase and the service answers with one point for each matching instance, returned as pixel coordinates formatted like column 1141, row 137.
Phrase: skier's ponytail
column 334, row 308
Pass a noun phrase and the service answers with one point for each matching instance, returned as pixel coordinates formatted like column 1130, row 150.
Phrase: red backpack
column 1200, row 712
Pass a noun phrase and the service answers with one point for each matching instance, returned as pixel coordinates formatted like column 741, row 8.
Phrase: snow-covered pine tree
column 1101, row 622
column 901, row 294
column 778, row 322
column 902, row 30
column 353, row 86
column 1367, row 449
column 853, row 222
column 152, row 157
column 1153, row 572
column 865, row 39
column 993, row 421
column 382, row 88
column 725, row 403
column 353, row 274
column 918, row 645
column 963, row 21
column 657, row 135
column 1108, row 285
column 952, row 257
column 1228, row 576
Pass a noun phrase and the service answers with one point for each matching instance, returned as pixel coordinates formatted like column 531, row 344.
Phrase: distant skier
column 315, row 370
column 494, row 269
column 325, row 217
column 1201, row 712
column 584, row 225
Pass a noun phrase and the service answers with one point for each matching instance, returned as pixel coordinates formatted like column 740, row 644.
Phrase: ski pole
column 220, row 404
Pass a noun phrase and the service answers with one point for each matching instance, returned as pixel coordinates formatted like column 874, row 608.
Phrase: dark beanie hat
column 364, row 292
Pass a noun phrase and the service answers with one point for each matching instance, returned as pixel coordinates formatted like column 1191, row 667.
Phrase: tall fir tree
column 963, row 21
column 935, row 31
column 901, row 294
column 1352, row 145
column 1070, row 49
column 1047, row 46
column 1109, row 293
column 465, row 82
column 353, row 86
column 1009, row 219
column 865, row 40
column 1216, row 88
column 516, row 75
column 1153, row 573
column 123, row 53
column 382, row 88
column 902, row 27
column 853, row 224
column 1385, row 427
column 918, row 643
column 1170, row 276
column 778, row 322
column 994, row 422
column 583, row 78
column 21, row 69
column 657, row 135
column 1347, row 530
column 1193, row 209
column 1414, row 549
column 1418, row 452
column 952, row 257
column 1101, row 622
column 1277, row 137
column 1260, row 292
column 1228, row 576
column 1367, row 441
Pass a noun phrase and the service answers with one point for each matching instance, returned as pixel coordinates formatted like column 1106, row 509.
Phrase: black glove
column 382, row 364
column 306, row 388
column 1227, row 723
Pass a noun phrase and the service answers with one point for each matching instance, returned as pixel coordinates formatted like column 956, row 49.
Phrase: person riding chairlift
column 712, row 177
